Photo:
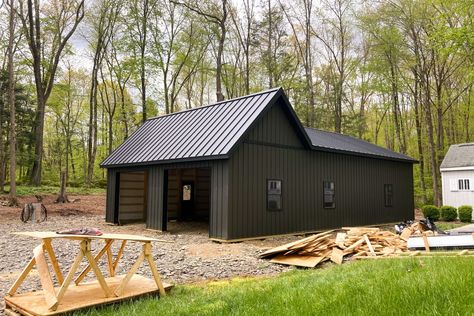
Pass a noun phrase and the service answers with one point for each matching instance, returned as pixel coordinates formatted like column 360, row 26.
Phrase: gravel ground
column 188, row 257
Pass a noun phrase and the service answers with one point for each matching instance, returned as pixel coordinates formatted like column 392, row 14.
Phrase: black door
column 187, row 200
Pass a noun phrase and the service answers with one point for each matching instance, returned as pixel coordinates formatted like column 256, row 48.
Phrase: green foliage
column 465, row 213
column 423, row 284
column 23, row 190
column 430, row 211
column 449, row 225
column 448, row 213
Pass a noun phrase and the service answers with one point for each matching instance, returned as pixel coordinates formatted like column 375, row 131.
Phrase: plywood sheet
column 43, row 235
column 82, row 296
column 298, row 260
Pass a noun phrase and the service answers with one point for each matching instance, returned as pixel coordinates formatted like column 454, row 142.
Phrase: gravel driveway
column 189, row 257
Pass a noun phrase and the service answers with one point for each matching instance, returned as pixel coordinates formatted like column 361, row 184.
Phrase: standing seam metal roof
column 211, row 132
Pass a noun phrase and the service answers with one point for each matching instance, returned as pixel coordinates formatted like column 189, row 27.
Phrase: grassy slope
column 423, row 286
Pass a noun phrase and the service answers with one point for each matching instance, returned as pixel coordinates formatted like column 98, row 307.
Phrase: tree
column 61, row 20
column 12, row 103
column 103, row 22
column 217, row 15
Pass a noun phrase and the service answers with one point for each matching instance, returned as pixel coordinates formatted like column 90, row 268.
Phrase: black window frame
column 388, row 194
column 278, row 194
column 332, row 193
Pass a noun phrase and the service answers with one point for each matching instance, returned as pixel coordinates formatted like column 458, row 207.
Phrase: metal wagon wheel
column 44, row 213
column 26, row 212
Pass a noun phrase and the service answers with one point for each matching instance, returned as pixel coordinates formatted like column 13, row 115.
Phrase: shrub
column 448, row 213
column 431, row 212
column 465, row 213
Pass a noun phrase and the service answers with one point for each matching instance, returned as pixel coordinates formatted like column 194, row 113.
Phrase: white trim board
column 457, row 168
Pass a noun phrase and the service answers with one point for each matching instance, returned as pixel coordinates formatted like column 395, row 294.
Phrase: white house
column 457, row 175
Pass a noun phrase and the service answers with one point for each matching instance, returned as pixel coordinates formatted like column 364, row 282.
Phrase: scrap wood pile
column 352, row 242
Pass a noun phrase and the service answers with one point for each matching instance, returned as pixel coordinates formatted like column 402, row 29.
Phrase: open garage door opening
column 187, row 202
column 132, row 197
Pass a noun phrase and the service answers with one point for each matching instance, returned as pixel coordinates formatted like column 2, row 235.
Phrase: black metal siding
column 111, row 198
column 218, row 226
column 358, row 185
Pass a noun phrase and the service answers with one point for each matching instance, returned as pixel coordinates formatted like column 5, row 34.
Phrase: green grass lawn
column 408, row 286
column 449, row 225
column 23, row 190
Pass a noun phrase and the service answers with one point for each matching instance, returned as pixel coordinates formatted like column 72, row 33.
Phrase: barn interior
column 188, row 194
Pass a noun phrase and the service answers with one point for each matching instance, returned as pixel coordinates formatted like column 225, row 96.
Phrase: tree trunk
column 219, row 95
column 431, row 145
column 142, row 58
column 2, row 149
column 419, row 140
column 39, row 137
column 11, row 100
column 62, row 198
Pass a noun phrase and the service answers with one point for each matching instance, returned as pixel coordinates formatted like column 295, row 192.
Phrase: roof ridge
column 216, row 103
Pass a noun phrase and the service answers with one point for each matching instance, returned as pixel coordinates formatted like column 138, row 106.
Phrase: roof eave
column 358, row 154
column 165, row 162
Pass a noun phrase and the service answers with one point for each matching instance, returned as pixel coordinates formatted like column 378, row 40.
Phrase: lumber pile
column 416, row 229
column 351, row 242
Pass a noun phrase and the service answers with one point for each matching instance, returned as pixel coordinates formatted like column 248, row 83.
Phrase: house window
column 464, row 185
column 328, row 198
column 274, row 195
column 388, row 194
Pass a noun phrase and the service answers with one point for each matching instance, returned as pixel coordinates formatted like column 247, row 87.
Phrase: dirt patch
column 83, row 205
column 213, row 250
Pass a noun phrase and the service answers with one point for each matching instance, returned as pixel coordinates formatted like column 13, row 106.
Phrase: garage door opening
column 188, row 195
column 132, row 197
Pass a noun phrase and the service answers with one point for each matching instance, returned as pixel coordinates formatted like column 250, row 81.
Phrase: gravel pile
column 189, row 257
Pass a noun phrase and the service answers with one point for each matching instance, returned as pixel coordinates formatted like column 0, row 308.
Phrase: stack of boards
column 352, row 242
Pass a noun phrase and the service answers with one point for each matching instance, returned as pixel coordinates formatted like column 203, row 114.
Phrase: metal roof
column 212, row 132
column 205, row 132
column 335, row 142
column 459, row 155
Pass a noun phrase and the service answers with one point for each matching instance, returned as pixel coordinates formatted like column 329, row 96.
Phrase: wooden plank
column 81, row 276
column 44, row 275
column 406, row 233
column 54, row 235
column 119, row 290
column 88, row 294
column 154, row 270
column 97, row 272
column 110, row 260
column 298, row 260
column 426, row 243
column 119, row 255
column 70, row 275
column 21, row 277
column 337, row 255
column 367, row 241
column 54, row 261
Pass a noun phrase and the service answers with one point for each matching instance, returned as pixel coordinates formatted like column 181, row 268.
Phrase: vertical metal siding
column 110, row 202
column 358, row 185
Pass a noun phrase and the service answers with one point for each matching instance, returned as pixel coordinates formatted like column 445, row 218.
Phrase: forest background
column 78, row 77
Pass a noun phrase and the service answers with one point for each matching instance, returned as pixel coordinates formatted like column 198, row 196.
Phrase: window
column 464, row 185
column 274, row 195
column 388, row 194
column 328, row 198
column 187, row 192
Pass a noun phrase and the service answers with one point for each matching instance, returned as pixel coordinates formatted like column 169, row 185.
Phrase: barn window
column 328, row 198
column 187, row 192
column 274, row 195
column 388, row 194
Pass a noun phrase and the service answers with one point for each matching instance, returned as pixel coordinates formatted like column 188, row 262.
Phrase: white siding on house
column 451, row 194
